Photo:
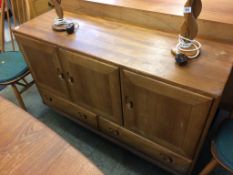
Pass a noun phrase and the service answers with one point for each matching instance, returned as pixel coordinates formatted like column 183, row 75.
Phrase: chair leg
column 18, row 97
column 209, row 167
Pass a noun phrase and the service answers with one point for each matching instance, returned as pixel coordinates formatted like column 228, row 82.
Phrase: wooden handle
column 166, row 158
column 60, row 74
column 114, row 132
column 128, row 102
column 70, row 78
column 129, row 105
column 82, row 116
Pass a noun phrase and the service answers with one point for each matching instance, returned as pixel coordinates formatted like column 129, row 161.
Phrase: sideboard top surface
column 139, row 49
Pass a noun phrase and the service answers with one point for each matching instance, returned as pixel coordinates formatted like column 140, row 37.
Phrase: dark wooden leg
column 209, row 167
column 25, row 81
column 18, row 97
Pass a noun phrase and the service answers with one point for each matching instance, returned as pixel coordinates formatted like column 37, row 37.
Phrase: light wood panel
column 152, row 83
column 140, row 49
column 44, row 65
column 29, row 147
column 25, row 10
column 212, row 9
column 168, row 115
column 93, row 85
column 163, row 15
column 39, row 6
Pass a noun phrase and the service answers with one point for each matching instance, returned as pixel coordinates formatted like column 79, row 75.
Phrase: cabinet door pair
column 168, row 115
column 86, row 82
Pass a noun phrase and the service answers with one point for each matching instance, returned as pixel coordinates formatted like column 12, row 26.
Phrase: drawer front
column 166, row 157
column 69, row 108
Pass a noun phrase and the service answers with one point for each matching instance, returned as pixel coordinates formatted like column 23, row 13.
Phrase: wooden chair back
column 22, row 10
column 5, row 6
column 25, row 10
column 2, row 17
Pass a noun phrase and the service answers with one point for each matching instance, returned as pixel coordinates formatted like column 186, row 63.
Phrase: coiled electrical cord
column 185, row 44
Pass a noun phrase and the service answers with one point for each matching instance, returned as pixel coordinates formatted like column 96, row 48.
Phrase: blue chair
column 222, row 149
column 13, row 71
column 13, row 68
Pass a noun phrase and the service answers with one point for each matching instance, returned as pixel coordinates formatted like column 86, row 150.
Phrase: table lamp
column 187, row 45
column 60, row 23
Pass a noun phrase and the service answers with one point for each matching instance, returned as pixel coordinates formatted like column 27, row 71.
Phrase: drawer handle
column 46, row 97
column 166, row 158
column 83, row 116
column 51, row 99
column 114, row 132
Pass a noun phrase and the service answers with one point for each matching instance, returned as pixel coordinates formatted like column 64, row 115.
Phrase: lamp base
column 59, row 28
column 62, row 25
column 189, row 48
column 190, row 54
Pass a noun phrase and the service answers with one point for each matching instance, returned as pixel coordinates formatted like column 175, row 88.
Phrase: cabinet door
column 44, row 65
column 93, row 85
column 165, row 114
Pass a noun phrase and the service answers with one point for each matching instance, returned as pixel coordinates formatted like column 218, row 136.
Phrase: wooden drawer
column 166, row 157
column 69, row 108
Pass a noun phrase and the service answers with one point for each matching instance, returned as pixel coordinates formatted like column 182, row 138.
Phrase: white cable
column 184, row 44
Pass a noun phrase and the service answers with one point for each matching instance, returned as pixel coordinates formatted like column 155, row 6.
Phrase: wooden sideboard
column 121, row 81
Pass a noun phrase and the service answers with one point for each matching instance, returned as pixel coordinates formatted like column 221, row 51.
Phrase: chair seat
column 12, row 66
column 223, row 145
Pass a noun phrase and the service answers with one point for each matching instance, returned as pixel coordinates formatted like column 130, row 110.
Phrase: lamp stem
column 58, row 8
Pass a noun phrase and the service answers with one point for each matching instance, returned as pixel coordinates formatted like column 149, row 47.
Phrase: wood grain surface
column 29, row 147
column 213, row 10
column 102, row 51
column 142, row 50
column 215, row 22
